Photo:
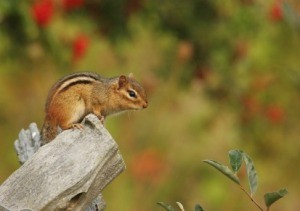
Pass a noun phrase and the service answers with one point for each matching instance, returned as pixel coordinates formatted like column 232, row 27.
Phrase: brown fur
column 76, row 95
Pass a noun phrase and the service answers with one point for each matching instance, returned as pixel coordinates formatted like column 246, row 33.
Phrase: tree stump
column 69, row 173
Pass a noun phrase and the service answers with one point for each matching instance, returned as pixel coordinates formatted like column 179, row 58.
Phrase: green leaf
column 166, row 206
column 270, row 198
column 251, row 173
column 235, row 159
column 223, row 169
column 180, row 206
column 198, row 208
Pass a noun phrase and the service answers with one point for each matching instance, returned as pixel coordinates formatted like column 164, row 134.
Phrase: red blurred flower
column 276, row 13
column 42, row 12
column 275, row 114
column 72, row 4
column 148, row 166
column 80, row 46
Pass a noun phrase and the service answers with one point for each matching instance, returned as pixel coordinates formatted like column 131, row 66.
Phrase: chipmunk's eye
column 131, row 93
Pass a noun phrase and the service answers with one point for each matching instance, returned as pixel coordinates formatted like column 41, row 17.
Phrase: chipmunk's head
column 132, row 94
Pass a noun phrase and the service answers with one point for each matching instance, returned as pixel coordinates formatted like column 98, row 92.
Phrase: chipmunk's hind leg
column 72, row 126
column 77, row 126
column 73, row 115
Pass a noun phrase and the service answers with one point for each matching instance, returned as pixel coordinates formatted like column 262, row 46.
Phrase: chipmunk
column 76, row 95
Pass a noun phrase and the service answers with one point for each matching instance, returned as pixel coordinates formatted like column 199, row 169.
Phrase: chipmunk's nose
column 145, row 105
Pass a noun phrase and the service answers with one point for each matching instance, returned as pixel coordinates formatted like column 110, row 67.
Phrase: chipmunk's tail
column 49, row 131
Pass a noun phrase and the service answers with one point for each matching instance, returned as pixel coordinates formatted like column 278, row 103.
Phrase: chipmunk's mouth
column 140, row 106
column 145, row 104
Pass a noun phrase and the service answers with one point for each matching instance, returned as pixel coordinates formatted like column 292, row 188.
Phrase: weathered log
column 28, row 143
column 69, row 173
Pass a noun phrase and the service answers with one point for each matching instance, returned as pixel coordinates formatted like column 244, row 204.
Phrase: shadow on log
column 69, row 173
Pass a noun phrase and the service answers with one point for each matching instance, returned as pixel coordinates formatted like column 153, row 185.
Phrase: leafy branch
column 170, row 208
column 236, row 159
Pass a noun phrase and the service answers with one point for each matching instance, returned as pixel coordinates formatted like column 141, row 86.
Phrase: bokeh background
column 220, row 75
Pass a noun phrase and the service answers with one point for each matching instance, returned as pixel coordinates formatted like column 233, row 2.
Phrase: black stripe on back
column 53, row 89
column 79, row 74
column 75, row 83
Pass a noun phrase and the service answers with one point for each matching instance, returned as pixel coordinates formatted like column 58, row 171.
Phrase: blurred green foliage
column 219, row 74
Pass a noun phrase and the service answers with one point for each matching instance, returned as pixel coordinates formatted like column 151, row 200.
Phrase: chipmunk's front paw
column 77, row 126
column 101, row 118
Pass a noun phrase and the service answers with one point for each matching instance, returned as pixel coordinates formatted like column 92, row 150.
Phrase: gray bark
column 69, row 173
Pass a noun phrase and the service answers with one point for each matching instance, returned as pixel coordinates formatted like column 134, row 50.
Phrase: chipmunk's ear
column 131, row 76
column 122, row 81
